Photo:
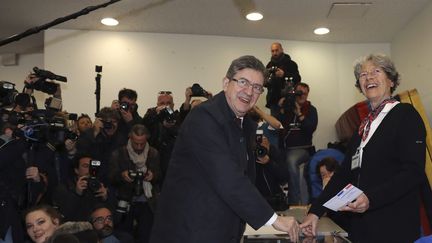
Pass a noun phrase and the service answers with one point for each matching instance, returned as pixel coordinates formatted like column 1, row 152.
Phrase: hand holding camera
column 262, row 147
column 125, row 176
column 81, row 185
column 97, row 126
column 32, row 173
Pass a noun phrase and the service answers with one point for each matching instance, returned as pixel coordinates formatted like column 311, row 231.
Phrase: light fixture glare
column 254, row 16
column 109, row 21
column 321, row 31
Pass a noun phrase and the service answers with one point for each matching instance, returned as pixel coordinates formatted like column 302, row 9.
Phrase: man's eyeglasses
column 101, row 220
column 244, row 83
column 164, row 93
column 363, row 75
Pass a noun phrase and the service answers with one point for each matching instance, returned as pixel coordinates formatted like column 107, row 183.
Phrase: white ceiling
column 283, row 19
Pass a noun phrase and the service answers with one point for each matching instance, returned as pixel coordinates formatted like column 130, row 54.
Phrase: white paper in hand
column 347, row 195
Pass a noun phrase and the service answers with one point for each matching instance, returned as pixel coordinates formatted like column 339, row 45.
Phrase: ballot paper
column 345, row 196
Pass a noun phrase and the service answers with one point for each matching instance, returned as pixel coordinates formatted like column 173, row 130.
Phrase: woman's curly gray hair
column 382, row 61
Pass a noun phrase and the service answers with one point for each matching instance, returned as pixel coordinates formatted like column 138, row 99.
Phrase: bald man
column 282, row 69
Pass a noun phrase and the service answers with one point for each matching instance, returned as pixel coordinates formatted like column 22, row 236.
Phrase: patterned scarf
column 367, row 121
column 140, row 162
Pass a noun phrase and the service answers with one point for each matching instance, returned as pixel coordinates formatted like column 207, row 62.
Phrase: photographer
column 270, row 174
column 194, row 91
column 299, row 122
column 76, row 199
column 281, row 69
column 134, row 172
column 163, row 123
column 21, row 185
column 128, row 109
column 104, row 138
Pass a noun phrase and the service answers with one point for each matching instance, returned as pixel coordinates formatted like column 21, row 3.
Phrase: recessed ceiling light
column 321, row 31
column 254, row 16
column 109, row 21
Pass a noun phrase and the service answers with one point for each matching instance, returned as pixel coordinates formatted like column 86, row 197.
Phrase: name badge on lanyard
column 355, row 160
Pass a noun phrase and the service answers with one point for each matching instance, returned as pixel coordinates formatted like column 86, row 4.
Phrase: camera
column 7, row 93
column 124, row 106
column 123, row 206
column 260, row 151
column 272, row 69
column 93, row 183
column 42, row 85
column 137, row 177
column 290, row 95
column 42, row 126
column 168, row 115
column 197, row 90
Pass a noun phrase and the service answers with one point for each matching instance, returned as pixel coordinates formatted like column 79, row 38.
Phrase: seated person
column 315, row 181
column 326, row 168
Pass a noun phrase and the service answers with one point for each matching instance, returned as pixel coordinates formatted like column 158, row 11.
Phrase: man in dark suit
column 209, row 190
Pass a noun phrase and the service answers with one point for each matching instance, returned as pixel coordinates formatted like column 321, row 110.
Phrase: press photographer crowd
column 101, row 180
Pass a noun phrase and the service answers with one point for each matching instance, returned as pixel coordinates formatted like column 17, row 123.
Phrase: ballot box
column 328, row 231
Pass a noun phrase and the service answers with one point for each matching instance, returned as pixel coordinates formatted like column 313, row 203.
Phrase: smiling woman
column 41, row 221
column 385, row 159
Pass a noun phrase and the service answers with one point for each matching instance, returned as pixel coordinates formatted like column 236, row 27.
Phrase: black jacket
column 276, row 85
column 391, row 174
column 209, row 191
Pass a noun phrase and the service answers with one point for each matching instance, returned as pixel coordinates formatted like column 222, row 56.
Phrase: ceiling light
column 109, row 21
column 321, row 31
column 254, row 16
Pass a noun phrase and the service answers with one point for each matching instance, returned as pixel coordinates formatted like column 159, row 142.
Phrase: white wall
column 412, row 53
column 17, row 74
column 149, row 63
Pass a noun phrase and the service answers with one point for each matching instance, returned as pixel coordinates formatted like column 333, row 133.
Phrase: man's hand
column 263, row 160
column 159, row 108
column 309, row 225
column 125, row 176
column 360, row 205
column 126, row 115
column 81, row 185
column 289, row 225
column 280, row 73
column 32, row 173
column 102, row 192
column 97, row 126
column 188, row 94
column 148, row 175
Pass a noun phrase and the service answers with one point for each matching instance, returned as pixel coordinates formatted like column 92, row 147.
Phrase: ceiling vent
column 348, row 10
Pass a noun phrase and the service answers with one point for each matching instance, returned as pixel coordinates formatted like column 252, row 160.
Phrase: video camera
column 260, row 151
column 290, row 94
column 7, row 93
column 42, row 85
column 93, row 183
column 197, row 90
column 44, row 126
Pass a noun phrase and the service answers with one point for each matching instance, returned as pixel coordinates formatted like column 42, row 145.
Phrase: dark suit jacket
column 391, row 173
column 209, row 193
